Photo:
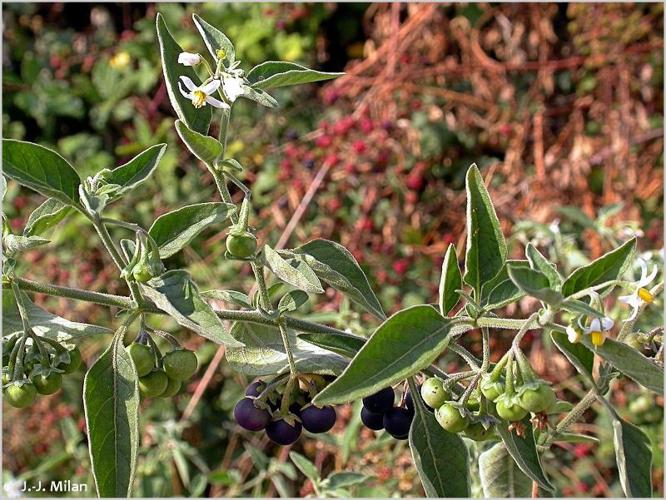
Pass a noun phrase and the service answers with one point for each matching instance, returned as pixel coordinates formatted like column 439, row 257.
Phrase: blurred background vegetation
column 561, row 105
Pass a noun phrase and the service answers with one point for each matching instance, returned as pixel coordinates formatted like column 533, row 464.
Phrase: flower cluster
column 230, row 82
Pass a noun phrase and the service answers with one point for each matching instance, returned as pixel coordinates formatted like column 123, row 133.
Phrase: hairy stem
column 287, row 348
column 258, row 271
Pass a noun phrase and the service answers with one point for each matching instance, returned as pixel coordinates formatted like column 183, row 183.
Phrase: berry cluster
column 37, row 368
column 284, row 412
column 161, row 376
column 379, row 413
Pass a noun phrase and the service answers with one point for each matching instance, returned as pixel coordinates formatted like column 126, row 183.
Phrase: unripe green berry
column 433, row 393
column 180, row 364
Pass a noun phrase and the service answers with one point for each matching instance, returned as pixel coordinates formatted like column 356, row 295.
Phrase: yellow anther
column 199, row 98
column 645, row 295
column 221, row 53
column 598, row 338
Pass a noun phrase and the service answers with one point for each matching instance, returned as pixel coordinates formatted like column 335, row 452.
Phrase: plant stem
column 258, row 271
column 485, row 339
column 515, row 345
column 465, row 354
column 287, row 348
column 104, row 299
column 506, row 323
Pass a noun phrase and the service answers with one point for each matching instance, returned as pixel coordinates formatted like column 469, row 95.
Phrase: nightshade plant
column 305, row 367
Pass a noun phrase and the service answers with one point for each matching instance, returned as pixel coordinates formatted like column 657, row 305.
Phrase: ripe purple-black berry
column 249, row 416
column 317, row 420
column 397, row 422
column 255, row 388
column 372, row 420
column 381, row 401
column 280, row 432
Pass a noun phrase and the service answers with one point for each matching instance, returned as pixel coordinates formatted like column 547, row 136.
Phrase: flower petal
column 607, row 323
column 188, row 82
column 187, row 95
column 216, row 103
column 595, row 325
column 211, row 87
column 647, row 279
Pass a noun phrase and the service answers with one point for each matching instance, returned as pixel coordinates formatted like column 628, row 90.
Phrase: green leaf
column 299, row 275
column 524, row 452
column 335, row 265
column 577, row 354
column 606, row 268
column 233, row 296
column 486, row 248
column 500, row 476
column 633, row 454
column 405, row 343
column 305, row 466
column 174, row 230
column 14, row 244
column 196, row 119
column 43, row 322
column 540, row 263
column 206, row 148
column 41, row 169
column 630, row 362
column 534, row 283
column 264, row 353
column 45, row 216
column 215, row 40
column 111, row 402
column 580, row 307
column 129, row 175
column 292, row 300
column 343, row 480
column 500, row 290
column 274, row 74
column 347, row 345
column 441, row 458
column 576, row 215
column 176, row 294
column 260, row 96
column 450, row 281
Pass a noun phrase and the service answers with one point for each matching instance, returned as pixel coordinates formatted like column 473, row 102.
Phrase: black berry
column 317, row 420
column 397, row 422
column 249, row 416
column 255, row 388
column 295, row 409
column 371, row 420
column 381, row 401
column 280, row 432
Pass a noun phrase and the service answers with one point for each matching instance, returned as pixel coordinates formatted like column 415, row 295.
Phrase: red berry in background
column 415, row 181
column 366, row 125
column 448, row 238
column 349, row 168
column 581, row 450
column 323, row 141
column 411, row 197
column 332, row 159
column 334, row 205
column 365, row 224
column 359, row 147
column 401, row 266
column 505, row 129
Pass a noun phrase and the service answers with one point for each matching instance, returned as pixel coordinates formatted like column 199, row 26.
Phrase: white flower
column 598, row 329
column 574, row 334
column 232, row 86
column 14, row 488
column 641, row 295
column 201, row 95
column 189, row 59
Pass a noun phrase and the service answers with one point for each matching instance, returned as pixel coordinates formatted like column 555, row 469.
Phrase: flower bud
column 189, row 59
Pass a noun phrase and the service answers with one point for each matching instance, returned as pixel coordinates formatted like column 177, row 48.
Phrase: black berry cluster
column 379, row 412
column 262, row 409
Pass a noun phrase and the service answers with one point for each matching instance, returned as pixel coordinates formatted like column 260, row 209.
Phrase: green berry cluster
column 33, row 367
column 161, row 376
column 510, row 392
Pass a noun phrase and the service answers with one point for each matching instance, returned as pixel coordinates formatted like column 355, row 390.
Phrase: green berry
column 180, row 364
column 241, row 245
column 47, row 383
column 509, row 409
column 74, row 361
column 537, row 399
column 450, row 419
column 477, row 432
column 491, row 389
column 433, row 393
column 20, row 395
column 172, row 388
column 143, row 358
column 153, row 384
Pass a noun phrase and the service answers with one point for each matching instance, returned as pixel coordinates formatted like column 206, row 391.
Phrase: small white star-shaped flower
column 201, row 95
column 598, row 329
column 232, row 86
column 641, row 295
